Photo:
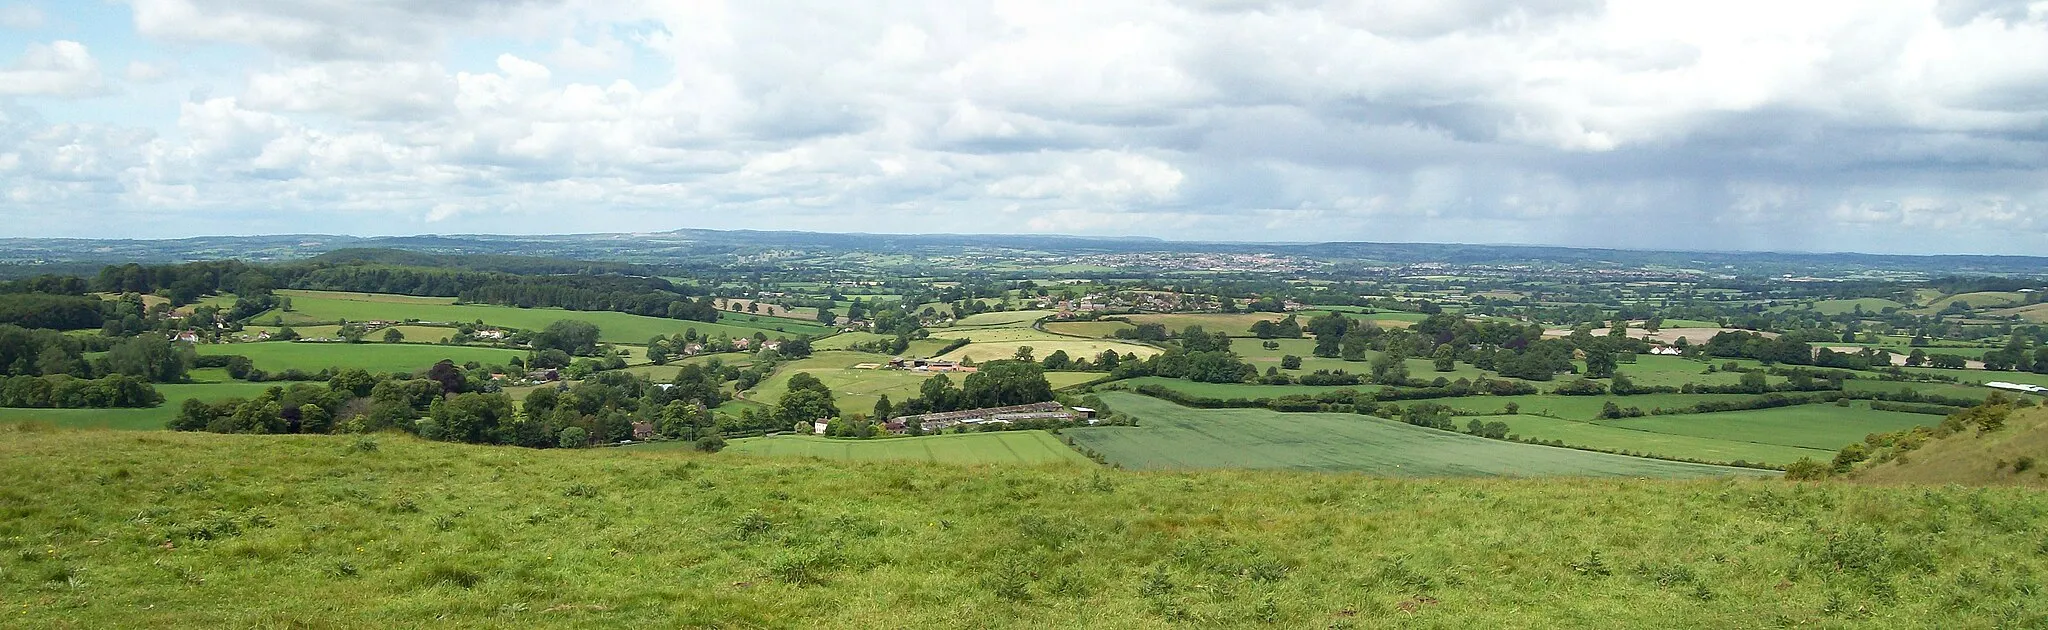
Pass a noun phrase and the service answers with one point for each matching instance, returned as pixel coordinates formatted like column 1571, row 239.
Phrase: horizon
column 1907, row 127
column 1095, row 237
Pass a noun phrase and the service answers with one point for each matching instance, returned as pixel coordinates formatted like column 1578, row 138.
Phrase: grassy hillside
column 1174, row 437
column 105, row 529
column 2016, row 455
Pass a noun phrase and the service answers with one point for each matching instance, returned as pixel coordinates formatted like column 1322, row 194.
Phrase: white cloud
column 1629, row 122
column 60, row 68
column 21, row 16
column 150, row 72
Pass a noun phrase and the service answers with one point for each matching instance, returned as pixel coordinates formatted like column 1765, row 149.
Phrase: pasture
column 328, row 307
column 1040, row 349
column 277, row 356
column 856, row 390
column 1001, row 319
column 144, row 419
column 1001, row 447
column 1817, row 426
column 1980, row 299
column 1628, row 440
column 1174, row 437
column 1093, row 330
column 1234, row 324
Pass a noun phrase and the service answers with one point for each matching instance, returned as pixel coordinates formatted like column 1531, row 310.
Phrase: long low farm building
column 934, row 422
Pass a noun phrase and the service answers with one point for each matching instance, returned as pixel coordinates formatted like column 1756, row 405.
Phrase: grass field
column 328, row 306
column 145, row 419
column 1040, row 349
column 1003, row 447
column 1981, row 299
column 789, row 326
column 1819, row 426
column 1094, row 330
column 1235, row 324
column 1000, row 319
column 170, row 530
column 1872, row 306
column 278, row 356
column 2036, row 313
column 1627, row 440
column 856, row 390
column 1174, row 437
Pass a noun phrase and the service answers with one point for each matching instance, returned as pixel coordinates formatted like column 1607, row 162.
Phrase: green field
column 1626, row 440
column 1981, row 299
column 1093, row 330
column 1174, row 437
column 277, row 356
column 1818, row 426
column 328, row 306
column 173, row 530
column 1000, row 319
column 1872, row 306
column 150, row 418
column 1234, row 324
column 856, row 390
column 1002, row 447
column 787, row 325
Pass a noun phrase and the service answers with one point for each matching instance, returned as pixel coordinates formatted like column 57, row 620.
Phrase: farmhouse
column 934, row 422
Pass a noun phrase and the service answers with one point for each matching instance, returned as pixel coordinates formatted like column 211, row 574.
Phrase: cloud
column 150, row 72
column 323, row 29
column 19, row 16
column 62, row 68
column 1833, row 124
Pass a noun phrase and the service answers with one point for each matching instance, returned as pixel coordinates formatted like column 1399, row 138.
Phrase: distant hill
column 692, row 247
column 2016, row 455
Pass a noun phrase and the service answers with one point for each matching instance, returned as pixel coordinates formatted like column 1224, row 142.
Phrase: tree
column 1389, row 369
column 393, row 335
column 574, row 437
column 805, row 404
column 883, row 409
column 570, row 336
column 1917, row 358
column 1004, row 383
column 711, row 443
column 285, row 333
column 826, row 317
column 1023, row 354
column 1599, row 363
column 149, row 357
column 1290, row 362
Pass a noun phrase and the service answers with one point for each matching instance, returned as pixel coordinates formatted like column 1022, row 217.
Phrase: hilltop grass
column 376, row 357
column 1174, row 437
column 184, row 530
column 2011, row 456
column 331, row 306
column 1002, row 447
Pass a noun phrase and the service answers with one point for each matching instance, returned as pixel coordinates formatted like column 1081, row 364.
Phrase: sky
column 1888, row 126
